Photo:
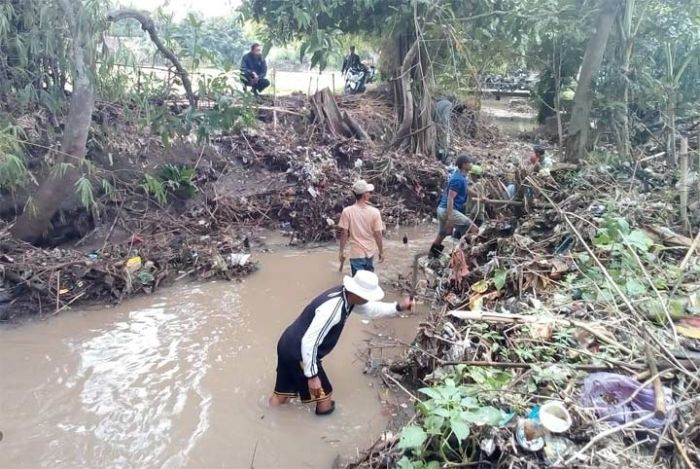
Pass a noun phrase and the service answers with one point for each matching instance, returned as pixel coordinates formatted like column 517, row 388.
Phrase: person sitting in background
column 254, row 69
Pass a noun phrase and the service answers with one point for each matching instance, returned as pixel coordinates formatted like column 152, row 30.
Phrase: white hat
column 364, row 284
column 362, row 187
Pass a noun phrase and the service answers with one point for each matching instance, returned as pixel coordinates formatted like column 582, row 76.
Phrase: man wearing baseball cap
column 315, row 333
column 361, row 226
column 450, row 213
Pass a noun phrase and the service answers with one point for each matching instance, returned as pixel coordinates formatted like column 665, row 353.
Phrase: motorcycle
column 356, row 78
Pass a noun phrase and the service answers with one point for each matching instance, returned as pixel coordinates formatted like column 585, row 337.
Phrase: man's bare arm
column 342, row 239
column 380, row 244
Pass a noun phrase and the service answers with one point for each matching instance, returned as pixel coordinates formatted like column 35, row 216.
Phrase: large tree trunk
column 577, row 139
column 149, row 26
column 423, row 129
column 58, row 186
column 403, row 133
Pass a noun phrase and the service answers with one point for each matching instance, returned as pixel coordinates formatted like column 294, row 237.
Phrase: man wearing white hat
column 361, row 225
column 315, row 333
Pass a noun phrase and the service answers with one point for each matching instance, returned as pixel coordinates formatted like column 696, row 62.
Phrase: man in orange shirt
column 361, row 224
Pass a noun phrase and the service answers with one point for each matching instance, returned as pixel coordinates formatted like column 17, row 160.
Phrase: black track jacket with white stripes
column 317, row 330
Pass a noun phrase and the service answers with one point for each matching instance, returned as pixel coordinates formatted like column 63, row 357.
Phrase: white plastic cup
column 554, row 417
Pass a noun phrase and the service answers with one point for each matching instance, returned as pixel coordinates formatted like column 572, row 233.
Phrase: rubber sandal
column 326, row 412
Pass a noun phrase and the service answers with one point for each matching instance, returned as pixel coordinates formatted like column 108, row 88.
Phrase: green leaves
column 499, row 278
column 634, row 287
column 155, row 188
column 83, row 187
column 639, row 239
column 483, row 416
column 431, row 392
column 451, row 409
column 412, row 437
column 459, row 428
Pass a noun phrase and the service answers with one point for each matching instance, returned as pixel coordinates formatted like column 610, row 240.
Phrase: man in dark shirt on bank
column 254, row 69
column 351, row 61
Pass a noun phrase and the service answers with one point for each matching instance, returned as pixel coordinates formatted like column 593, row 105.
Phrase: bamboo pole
column 684, row 185
column 310, row 81
column 274, row 98
column 698, row 168
column 333, row 81
column 659, row 397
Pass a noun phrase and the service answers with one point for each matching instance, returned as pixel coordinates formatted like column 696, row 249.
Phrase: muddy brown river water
column 180, row 379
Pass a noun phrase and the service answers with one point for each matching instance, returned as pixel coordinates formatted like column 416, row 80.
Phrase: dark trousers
column 258, row 86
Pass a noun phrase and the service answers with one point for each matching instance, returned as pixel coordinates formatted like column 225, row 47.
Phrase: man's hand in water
column 407, row 303
column 315, row 388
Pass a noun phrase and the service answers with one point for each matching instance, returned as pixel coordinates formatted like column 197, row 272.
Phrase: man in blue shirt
column 450, row 212
column 254, row 69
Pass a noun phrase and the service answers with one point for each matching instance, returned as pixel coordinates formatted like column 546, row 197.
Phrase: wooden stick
column 584, row 367
column 679, row 447
column 599, row 336
column 274, row 98
column 693, row 247
column 58, row 290
column 659, row 403
column 684, row 184
column 410, row 394
column 658, row 295
column 517, row 318
column 669, row 237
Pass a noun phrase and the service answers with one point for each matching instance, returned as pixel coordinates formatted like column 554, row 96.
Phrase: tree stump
column 327, row 115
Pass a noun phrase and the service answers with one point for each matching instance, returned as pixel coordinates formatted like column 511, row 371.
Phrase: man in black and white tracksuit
column 315, row 333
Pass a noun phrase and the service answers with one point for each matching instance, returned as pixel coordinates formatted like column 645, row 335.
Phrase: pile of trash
column 569, row 334
column 41, row 281
column 315, row 180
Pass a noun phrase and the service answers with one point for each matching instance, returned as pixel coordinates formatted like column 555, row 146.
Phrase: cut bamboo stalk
column 584, row 367
column 659, row 401
column 274, row 98
column 684, row 184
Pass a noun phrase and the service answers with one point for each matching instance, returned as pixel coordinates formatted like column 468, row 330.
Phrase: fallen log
column 668, row 236
column 356, row 128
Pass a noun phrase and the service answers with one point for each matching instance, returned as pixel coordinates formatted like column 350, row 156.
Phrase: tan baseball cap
column 362, row 187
